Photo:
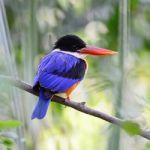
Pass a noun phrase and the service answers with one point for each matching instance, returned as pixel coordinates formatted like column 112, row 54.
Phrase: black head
column 70, row 43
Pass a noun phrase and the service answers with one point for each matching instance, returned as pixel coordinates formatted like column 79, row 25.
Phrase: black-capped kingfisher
column 62, row 70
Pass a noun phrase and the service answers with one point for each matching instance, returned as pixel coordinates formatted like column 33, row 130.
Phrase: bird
column 62, row 69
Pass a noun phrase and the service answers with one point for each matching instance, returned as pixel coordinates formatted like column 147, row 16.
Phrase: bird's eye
column 75, row 47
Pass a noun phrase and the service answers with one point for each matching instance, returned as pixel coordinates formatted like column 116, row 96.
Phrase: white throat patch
column 78, row 55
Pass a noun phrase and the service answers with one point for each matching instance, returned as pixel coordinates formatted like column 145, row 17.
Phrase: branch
column 78, row 106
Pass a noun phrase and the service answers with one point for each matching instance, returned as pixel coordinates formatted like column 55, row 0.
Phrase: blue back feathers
column 59, row 71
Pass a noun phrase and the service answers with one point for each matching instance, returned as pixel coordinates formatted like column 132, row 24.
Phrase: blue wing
column 58, row 71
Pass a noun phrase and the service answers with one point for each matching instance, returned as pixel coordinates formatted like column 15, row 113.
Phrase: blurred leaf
column 132, row 128
column 7, row 142
column 63, row 3
column 10, row 16
column 147, row 145
column 134, row 5
column 10, row 124
column 112, row 25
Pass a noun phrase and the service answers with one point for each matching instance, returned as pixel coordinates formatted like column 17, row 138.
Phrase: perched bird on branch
column 62, row 70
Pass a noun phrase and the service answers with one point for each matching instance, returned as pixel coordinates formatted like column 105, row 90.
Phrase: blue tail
column 41, row 106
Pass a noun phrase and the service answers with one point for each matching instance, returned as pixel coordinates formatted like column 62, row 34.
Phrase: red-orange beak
column 96, row 51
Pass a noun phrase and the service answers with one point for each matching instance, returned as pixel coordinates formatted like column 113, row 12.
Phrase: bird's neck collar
column 78, row 55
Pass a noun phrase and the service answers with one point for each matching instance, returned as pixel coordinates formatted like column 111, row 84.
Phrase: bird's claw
column 67, row 99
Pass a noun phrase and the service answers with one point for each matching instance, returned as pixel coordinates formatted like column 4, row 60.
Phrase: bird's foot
column 67, row 98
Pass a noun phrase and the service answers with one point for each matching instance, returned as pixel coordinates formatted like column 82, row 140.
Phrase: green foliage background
column 33, row 27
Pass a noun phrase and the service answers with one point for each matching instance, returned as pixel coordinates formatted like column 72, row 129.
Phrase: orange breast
column 70, row 90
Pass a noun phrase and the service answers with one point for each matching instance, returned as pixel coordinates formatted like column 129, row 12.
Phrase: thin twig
column 78, row 106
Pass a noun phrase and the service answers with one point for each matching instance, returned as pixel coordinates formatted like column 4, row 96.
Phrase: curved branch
column 75, row 105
